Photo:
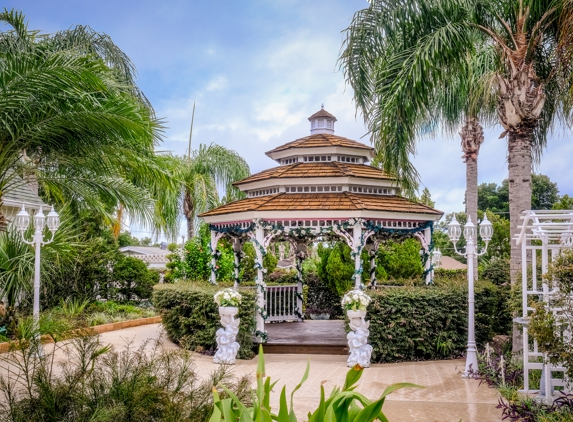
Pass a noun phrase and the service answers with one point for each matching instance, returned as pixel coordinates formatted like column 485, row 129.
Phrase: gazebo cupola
column 322, row 122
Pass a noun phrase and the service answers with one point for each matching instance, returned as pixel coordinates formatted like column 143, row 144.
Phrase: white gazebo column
column 214, row 242
column 237, row 249
column 357, row 243
column 260, row 321
column 301, row 250
column 372, row 252
column 428, row 264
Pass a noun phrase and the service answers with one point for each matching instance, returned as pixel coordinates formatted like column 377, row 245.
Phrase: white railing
column 283, row 304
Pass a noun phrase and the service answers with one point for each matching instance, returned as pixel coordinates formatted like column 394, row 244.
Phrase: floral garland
column 263, row 335
column 214, row 267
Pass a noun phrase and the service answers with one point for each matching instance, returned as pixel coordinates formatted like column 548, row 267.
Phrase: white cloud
column 216, row 84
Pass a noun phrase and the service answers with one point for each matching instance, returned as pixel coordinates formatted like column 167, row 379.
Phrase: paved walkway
column 447, row 397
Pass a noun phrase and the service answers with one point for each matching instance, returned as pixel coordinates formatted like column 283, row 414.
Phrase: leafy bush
column 191, row 317
column 99, row 383
column 401, row 260
column 446, row 277
column 496, row 270
column 132, row 278
column 548, row 327
column 415, row 323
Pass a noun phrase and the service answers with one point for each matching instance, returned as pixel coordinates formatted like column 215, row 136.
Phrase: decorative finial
column 322, row 106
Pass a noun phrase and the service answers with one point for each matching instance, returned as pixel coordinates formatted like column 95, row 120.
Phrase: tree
column 201, row 173
column 426, row 198
column 532, row 42
column 74, row 121
column 544, row 194
column 398, row 109
column 564, row 202
column 493, row 197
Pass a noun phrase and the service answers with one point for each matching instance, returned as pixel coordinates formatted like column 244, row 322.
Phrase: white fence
column 283, row 303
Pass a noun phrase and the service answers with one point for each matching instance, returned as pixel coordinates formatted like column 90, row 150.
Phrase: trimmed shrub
column 133, row 278
column 444, row 277
column 191, row 317
column 421, row 323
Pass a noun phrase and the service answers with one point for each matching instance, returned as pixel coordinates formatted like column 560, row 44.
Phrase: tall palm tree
column 68, row 102
column 455, row 105
column 201, row 173
column 533, row 45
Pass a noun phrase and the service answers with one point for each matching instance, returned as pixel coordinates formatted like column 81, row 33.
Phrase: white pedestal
column 360, row 350
column 227, row 347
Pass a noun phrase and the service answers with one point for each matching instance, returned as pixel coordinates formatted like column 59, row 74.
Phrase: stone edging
column 99, row 329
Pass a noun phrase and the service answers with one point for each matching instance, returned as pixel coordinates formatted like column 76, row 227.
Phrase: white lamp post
column 454, row 233
column 436, row 258
column 22, row 222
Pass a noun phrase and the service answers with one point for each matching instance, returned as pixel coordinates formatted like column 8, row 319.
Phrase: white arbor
column 543, row 235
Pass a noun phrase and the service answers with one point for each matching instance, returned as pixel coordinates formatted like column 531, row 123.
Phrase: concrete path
column 447, row 397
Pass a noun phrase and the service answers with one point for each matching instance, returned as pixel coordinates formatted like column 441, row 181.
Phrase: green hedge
column 191, row 317
column 422, row 323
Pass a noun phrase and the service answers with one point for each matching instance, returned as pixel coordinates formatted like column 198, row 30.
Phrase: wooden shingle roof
column 321, row 140
column 342, row 201
column 322, row 113
column 318, row 169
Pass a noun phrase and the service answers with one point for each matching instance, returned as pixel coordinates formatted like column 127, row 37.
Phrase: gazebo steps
column 306, row 349
column 308, row 337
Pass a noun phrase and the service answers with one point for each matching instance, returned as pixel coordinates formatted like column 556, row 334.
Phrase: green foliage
column 548, row 327
column 413, row 323
column 426, row 198
column 100, row 383
column 493, row 197
column 126, row 239
column 443, row 277
column 191, row 317
column 544, row 195
column 343, row 404
column 401, row 260
column 132, row 278
column 339, row 269
column 495, row 270
column 98, row 269
column 564, row 202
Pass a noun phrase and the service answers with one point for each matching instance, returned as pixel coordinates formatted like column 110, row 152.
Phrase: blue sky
column 257, row 69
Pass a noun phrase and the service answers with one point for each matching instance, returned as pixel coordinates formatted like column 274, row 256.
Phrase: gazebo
column 322, row 187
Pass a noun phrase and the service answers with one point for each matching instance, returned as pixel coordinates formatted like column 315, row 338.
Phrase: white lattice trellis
column 543, row 235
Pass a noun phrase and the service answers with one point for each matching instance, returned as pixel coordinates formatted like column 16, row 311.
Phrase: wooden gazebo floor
column 308, row 337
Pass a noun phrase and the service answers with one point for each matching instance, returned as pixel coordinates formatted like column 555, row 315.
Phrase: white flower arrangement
column 227, row 297
column 355, row 300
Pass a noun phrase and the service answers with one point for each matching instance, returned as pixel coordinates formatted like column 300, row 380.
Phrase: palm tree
column 202, row 172
column 532, row 83
column 68, row 103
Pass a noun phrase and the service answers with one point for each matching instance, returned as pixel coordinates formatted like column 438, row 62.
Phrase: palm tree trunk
column 519, row 165
column 189, row 211
column 116, row 230
column 472, row 138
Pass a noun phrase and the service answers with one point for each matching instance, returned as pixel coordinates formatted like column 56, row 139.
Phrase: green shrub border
column 427, row 323
column 191, row 317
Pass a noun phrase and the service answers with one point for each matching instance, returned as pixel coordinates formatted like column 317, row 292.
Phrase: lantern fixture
column 486, row 229
column 22, row 220
column 470, row 230
column 454, row 230
column 53, row 220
